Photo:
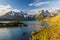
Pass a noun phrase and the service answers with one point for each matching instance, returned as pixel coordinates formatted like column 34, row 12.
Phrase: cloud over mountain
column 6, row 8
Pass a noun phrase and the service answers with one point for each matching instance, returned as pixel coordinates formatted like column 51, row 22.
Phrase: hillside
column 49, row 33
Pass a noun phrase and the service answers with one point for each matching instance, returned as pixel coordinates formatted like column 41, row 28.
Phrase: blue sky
column 31, row 4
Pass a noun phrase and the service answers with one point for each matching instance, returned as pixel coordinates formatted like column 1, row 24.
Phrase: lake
column 19, row 33
column 16, row 33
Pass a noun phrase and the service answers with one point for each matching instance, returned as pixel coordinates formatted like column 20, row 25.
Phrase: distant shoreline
column 12, row 24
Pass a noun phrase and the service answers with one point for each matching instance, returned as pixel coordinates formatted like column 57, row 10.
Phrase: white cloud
column 37, row 3
column 16, row 10
column 31, row 4
column 41, row 3
column 6, row 8
column 52, row 5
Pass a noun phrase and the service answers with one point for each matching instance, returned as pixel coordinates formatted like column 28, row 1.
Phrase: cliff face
column 49, row 33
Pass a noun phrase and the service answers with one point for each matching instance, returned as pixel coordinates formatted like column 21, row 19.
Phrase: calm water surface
column 17, row 33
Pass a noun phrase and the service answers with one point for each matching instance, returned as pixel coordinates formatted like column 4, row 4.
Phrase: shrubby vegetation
column 49, row 33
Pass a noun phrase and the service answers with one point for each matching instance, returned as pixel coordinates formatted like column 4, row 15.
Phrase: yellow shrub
column 49, row 33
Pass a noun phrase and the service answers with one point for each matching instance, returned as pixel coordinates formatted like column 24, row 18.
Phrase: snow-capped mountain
column 45, row 13
column 31, row 15
column 12, row 15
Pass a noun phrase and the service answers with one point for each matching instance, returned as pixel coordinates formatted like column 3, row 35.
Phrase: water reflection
column 15, row 33
column 4, row 34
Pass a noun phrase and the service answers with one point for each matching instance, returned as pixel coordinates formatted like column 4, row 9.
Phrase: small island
column 12, row 24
